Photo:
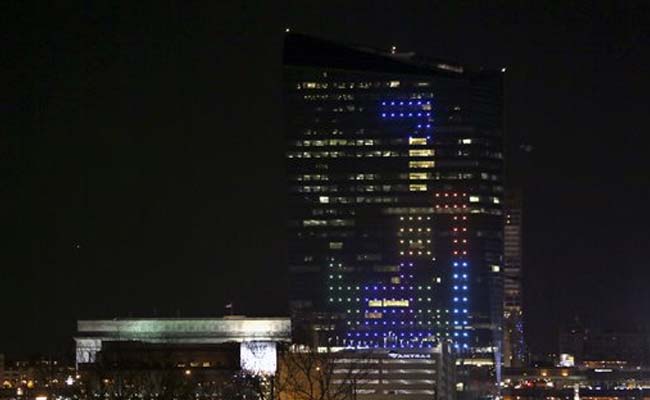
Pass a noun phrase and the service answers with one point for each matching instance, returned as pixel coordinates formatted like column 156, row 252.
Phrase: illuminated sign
column 388, row 303
column 408, row 356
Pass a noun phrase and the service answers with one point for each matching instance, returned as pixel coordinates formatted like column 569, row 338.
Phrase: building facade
column 208, row 358
column 395, row 168
column 514, row 347
column 183, row 337
column 406, row 373
column 366, row 374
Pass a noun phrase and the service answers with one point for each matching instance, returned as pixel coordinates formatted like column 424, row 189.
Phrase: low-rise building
column 618, row 381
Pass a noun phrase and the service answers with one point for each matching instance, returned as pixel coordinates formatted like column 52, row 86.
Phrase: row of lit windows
column 328, row 222
column 348, row 108
column 496, row 155
column 345, row 154
column 312, row 177
column 416, row 230
column 406, row 115
column 359, row 154
column 438, row 209
column 371, row 188
column 447, row 139
column 335, row 97
column 345, row 85
column 409, row 176
column 415, row 244
column 363, row 85
column 412, row 141
column 415, row 187
column 331, row 211
column 333, row 132
column 415, row 253
column 393, row 322
column 358, row 200
column 337, row 142
column 484, row 199
column 380, row 153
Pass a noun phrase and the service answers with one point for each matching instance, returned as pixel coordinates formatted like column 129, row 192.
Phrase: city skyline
column 153, row 150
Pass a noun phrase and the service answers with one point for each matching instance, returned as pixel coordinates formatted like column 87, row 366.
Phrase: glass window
column 421, row 164
column 417, row 187
column 421, row 152
column 417, row 141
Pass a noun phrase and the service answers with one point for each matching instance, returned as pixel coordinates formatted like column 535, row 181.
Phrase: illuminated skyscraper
column 395, row 174
column 514, row 348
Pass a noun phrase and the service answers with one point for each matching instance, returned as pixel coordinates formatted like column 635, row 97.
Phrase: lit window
column 420, row 153
column 419, row 175
column 336, row 245
column 314, row 222
column 495, row 268
column 467, row 141
column 421, row 164
column 324, row 199
column 393, row 83
column 474, row 199
column 417, row 187
column 417, row 141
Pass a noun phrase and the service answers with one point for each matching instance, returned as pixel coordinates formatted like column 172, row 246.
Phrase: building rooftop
column 309, row 51
column 197, row 330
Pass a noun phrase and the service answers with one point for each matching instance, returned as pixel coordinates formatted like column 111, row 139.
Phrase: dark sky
column 142, row 153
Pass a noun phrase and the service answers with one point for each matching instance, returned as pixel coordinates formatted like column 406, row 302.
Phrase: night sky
column 142, row 169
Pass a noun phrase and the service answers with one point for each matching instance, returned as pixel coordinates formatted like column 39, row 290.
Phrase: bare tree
column 308, row 374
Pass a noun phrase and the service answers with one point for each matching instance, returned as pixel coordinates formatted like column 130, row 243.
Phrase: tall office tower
column 514, row 348
column 395, row 190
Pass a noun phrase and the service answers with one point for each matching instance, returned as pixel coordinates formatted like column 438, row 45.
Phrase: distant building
column 179, row 358
column 395, row 167
column 595, row 383
column 367, row 374
column 92, row 334
column 402, row 373
column 514, row 346
column 185, row 342
column 36, row 375
column 597, row 347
